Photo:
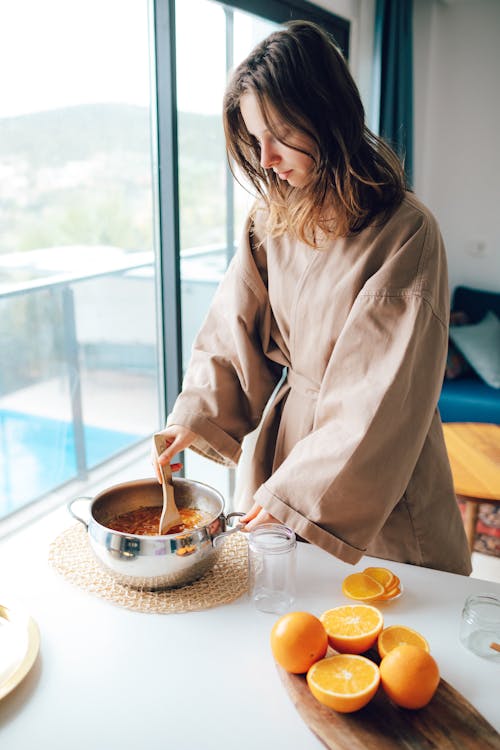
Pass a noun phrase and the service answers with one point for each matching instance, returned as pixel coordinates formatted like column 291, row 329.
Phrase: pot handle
column 224, row 534
column 86, row 518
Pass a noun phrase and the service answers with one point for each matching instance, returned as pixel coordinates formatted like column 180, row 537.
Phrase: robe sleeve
column 230, row 376
column 375, row 405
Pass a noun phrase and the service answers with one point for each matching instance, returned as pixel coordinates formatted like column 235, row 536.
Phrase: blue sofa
column 468, row 398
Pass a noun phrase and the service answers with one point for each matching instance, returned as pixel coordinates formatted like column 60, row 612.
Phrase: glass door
column 78, row 340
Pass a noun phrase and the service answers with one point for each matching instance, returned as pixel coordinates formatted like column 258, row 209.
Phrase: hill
column 76, row 133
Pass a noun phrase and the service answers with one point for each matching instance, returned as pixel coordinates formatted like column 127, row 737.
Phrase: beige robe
column 350, row 452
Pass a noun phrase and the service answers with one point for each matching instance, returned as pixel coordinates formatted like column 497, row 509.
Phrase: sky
column 56, row 53
column 66, row 52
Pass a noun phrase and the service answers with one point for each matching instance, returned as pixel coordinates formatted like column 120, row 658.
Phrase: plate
column 19, row 645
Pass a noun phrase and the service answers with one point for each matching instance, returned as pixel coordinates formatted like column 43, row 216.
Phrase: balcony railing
column 101, row 318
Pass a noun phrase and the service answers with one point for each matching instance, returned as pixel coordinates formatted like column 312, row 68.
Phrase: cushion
column 480, row 345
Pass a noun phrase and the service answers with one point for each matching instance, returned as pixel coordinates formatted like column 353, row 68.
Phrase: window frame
column 167, row 204
column 281, row 11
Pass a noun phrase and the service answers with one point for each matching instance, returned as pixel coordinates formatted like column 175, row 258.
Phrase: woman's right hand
column 178, row 438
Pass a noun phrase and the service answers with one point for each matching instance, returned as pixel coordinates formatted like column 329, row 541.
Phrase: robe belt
column 302, row 384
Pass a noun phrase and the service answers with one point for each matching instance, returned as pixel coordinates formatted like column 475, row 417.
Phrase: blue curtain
column 394, row 62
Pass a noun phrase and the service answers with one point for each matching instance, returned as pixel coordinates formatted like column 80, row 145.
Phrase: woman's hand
column 178, row 438
column 255, row 517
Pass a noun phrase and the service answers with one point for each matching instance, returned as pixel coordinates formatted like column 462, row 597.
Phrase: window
column 102, row 164
column 78, row 341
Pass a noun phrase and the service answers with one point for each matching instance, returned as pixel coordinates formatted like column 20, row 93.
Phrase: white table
column 111, row 679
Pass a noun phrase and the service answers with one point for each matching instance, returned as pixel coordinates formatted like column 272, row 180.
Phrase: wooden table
column 474, row 453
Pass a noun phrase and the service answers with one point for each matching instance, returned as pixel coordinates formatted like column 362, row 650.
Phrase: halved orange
column 362, row 587
column 395, row 635
column 352, row 628
column 344, row 682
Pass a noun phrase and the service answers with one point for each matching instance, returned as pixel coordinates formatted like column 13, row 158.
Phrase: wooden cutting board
column 448, row 722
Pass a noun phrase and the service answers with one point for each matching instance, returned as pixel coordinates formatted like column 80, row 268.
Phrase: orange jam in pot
column 145, row 521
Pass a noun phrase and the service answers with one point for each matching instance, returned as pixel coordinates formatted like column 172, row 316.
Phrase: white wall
column 457, row 119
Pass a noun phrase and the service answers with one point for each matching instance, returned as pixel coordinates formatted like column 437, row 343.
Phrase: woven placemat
column 71, row 555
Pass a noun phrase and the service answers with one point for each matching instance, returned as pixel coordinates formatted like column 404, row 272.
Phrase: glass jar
column 480, row 626
column 271, row 560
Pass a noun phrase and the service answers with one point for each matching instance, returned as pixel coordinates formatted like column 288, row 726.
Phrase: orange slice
column 352, row 628
column 395, row 635
column 344, row 682
column 383, row 575
column 391, row 594
column 362, row 587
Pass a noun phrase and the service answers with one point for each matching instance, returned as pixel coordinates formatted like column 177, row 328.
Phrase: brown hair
column 301, row 80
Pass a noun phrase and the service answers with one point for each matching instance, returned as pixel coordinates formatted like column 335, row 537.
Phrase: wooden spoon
column 170, row 516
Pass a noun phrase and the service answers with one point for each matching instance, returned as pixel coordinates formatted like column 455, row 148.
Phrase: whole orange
column 409, row 676
column 298, row 640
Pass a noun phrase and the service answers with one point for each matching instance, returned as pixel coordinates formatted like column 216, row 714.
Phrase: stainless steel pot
column 154, row 562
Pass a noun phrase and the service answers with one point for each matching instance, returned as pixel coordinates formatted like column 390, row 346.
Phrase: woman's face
column 288, row 163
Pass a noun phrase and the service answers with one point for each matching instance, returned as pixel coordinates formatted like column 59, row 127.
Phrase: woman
column 340, row 278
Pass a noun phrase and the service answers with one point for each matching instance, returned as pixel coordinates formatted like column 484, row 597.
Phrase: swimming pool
column 37, row 454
